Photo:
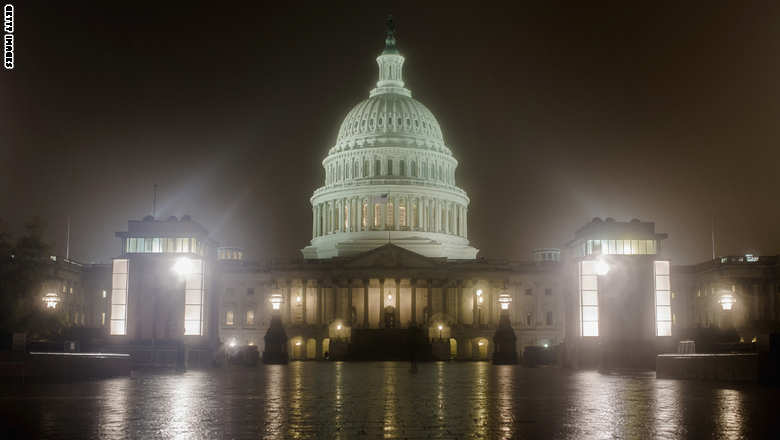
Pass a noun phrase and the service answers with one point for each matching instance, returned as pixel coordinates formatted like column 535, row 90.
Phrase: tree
column 24, row 265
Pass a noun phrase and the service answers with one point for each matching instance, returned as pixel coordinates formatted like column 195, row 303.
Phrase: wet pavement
column 385, row 400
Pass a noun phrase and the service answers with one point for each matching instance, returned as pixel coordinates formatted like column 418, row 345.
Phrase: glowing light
column 232, row 343
column 389, row 297
column 481, row 343
column 276, row 301
column 602, row 268
column 504, row 299
column 441, row 327
column 751, row 258
column 338, row 327
column 545, row 345
column 51, row 300
column 251, row 343
column 727, row 302
column 479, row 292
column 298, row 299
column 480, row 300
column 297, row 343
column 183, row 266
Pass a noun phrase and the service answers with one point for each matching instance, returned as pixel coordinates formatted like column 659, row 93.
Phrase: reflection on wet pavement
column 385, row 400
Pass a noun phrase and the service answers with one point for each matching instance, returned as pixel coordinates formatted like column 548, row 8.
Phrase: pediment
column 391, row 256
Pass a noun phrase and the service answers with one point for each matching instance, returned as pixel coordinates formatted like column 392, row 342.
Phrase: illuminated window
column 104, row 293
column 364, row 216
column 413, row 219
column 663, row 299
column 402, row 213
column 193, row 299
column 119, row 276
column 131, row 243
column 377, row 215
column 390, row 214
column 589, row 302
column 346, row 217
column 103, row 318
column 250, row 317
column 229, row 317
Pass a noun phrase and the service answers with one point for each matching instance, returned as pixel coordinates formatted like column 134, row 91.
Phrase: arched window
column 414, row 169
column 377, row 167
column 354, row 168
column 366, row 167
column 402, row 168
column 389, row 167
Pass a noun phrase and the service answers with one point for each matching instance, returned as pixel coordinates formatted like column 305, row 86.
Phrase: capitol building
column 390, row 262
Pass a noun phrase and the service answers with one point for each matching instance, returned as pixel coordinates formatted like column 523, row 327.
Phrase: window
column 529, row 292
column 589, row 303
column 364, row 218
column 528, row 320
column 250, row 317
column 548, row 320
column 193, row 300
column 365, row 168
column 103, row 318
column 377, row 215
column 229, row 318
column 104, row 293
column 119, row 275
column 548, row 291
column 377, row 167
column 389, row 167
column 390, row 214
column 402, row 168
column 414, row 169
column 402, row 213
column 250, row 291
column 413, row 222
column 663, row 299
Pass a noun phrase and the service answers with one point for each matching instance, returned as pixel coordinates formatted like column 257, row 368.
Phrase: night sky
column 556, row 113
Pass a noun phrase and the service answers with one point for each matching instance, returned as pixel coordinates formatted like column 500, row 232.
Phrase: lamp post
column 504, row 339
column 440, row 329
column 275, row 351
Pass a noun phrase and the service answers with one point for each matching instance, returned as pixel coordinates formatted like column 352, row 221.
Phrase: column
column 459, row 302
column 313, row 222
column 429, row 302
column 381, row 302
column 474, row 308
column 339, row 215
column 335, row 292
column 465, row 222
column 320, row 308
column 349, row 302
column 414, row 299
column 303, row 300
column 489, row 303
column 289, row 302
column 396, row 213
column 423, row 217
column 398, row 302
column 366, row 283
column 370, row 212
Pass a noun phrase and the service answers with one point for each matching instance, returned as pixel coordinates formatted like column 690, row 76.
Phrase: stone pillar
column 465, row 222
column 414, row 300
column 459, row 303
column 429, row 302
column 289, row 303
column 335, row 292
column 349, row 302
column 320, row 308
column 381, row 302
column 313, row 222
column 366, row 283
column 475, row 309
column 303, row 300
column 359, row 215
column 398, row 302
column 370, row 212
column 444, row 291
column 396, row 213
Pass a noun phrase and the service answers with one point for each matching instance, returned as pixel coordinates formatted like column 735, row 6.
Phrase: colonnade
column 389, row 212
column 382, row 302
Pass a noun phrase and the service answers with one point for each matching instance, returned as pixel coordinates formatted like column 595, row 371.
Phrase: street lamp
column 602, row 268
column 504, row 299
column 441, row 327
column 183, row 266
column 727, row 301
column 51, row 300
column 480, row 299
column 276, row 301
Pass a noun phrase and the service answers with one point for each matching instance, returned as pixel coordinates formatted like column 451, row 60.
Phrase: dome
column 389, row 178
column 389, row 117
